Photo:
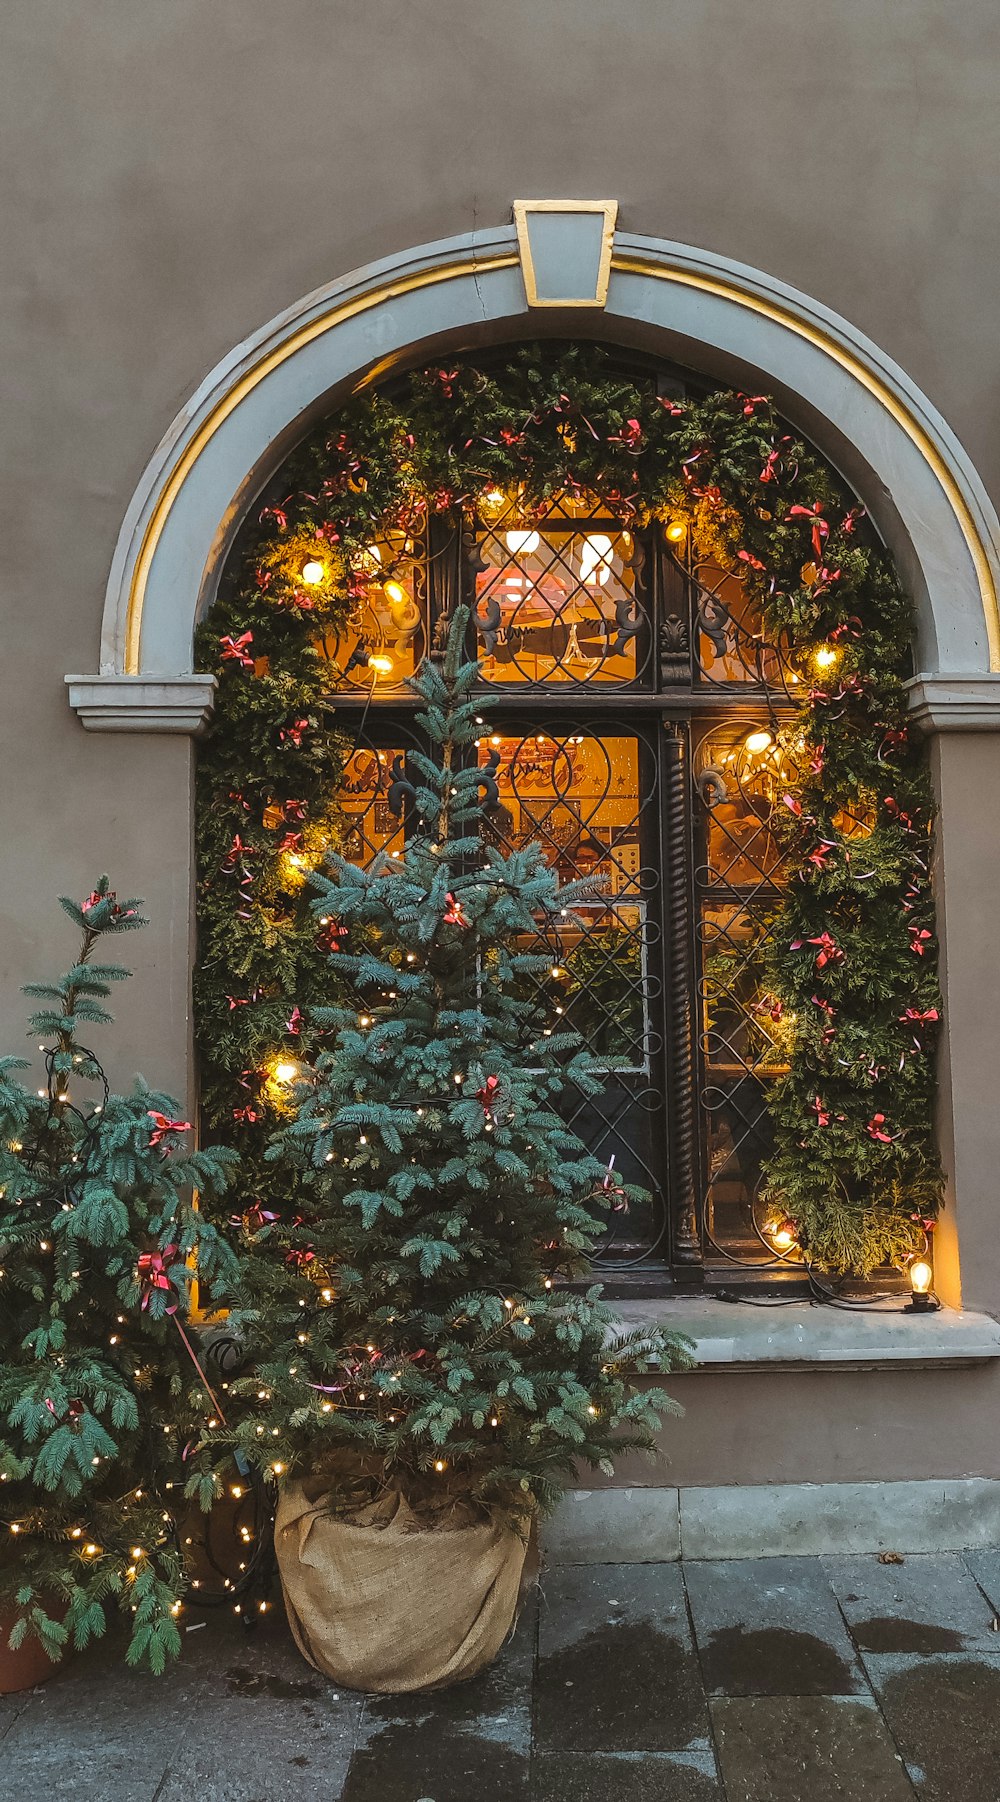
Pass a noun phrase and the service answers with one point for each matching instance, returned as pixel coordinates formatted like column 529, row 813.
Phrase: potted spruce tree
column 106, row 1416
column 426, row 1382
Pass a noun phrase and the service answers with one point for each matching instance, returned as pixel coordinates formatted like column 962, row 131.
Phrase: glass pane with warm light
column 586, row 798
column 559, row 597
column 384, row 637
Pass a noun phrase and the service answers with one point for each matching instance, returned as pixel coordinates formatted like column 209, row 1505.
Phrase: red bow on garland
column 454, row 914
column 234, row 650
column 820, row 528
column 828, row 952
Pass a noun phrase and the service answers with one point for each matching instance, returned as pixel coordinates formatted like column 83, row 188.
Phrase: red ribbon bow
column 822, row 1117
column 875, row 1130
column 292, row 735
column 74, row 1408
column 487, row 1094
column 820, row 529
column 454, row 913
column 162, row 1125
column 746, row 557
column 234, row 650
column 152, row 1273
column 828, row 952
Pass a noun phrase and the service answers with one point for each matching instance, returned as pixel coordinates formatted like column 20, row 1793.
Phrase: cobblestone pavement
column 774, row 1680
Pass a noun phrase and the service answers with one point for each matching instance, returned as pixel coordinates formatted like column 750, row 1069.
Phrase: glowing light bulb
column 522, row 544
column 756, row 742
column 382, row 665
column 595, row 558
column 825, row 657
column 313, row 572
column 285, row 1072
column 921, row 1276
column 395, row 592
column 782, row 1238
column 676, row 530
column 439, row 1464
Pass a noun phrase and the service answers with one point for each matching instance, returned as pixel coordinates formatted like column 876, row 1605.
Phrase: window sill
column 737, row 1336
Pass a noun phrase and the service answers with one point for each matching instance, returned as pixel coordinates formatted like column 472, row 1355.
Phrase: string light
column 676, row 530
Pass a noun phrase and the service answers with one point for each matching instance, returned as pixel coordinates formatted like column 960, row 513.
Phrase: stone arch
column 723, row 318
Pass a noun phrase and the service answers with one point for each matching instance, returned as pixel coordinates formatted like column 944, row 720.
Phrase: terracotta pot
column 29, row 1665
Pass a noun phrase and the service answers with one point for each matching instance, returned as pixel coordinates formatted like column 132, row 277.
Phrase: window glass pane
column 729, row 634
column 558, row 597
column 587, row 798
column 742, row 771
column 370, row 825
column 384, row 638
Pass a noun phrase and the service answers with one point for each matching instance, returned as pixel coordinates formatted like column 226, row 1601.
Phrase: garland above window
column 849, row 968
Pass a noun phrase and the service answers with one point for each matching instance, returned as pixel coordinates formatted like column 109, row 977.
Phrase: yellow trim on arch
column 631, row 265
column 185, row 463
column 634, row 265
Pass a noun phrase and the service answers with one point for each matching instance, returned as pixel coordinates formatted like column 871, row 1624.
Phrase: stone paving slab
column 929, row 1603
column 807, row 1749
column 600, row 1696
column 624, row 1777
column 472, row 1741
column 770, row 1627
column 944, row 1715
column 616, row 1666
column 984, row 1568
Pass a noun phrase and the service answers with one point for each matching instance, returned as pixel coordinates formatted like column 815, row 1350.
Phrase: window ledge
column 805, row 1335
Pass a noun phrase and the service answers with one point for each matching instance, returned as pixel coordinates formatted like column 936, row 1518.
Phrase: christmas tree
column 105, row 1415
column 412, row 1316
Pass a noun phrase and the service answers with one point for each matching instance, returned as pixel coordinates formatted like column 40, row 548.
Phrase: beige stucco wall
column 176, row 174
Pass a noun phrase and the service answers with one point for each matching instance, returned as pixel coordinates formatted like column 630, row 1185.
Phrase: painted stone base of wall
column 652, row 1526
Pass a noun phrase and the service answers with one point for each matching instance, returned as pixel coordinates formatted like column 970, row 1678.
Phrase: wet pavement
column 767, row 1680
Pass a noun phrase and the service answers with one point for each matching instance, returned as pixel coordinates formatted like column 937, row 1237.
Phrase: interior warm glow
column 313, row 572
column 394, row 592
column 921, row 1277
column 382, row 664
column 521, row 544
column 758, row 742
column 595, row 558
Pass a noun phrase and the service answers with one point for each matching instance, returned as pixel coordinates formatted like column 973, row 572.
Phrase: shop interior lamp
column 758, row 742
column 923, row 1300
column 381, row 665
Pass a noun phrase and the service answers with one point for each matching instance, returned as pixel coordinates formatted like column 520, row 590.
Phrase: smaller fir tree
column 104, row 1417
column 414, row 1326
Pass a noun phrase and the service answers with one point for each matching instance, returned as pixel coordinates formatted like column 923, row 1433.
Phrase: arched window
column 635, row 728
column 646, row 727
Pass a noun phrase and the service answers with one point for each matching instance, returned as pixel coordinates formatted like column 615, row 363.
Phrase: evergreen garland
column 852, row 965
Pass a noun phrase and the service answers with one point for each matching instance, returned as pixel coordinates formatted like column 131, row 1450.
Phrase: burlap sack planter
column 379, row 1601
